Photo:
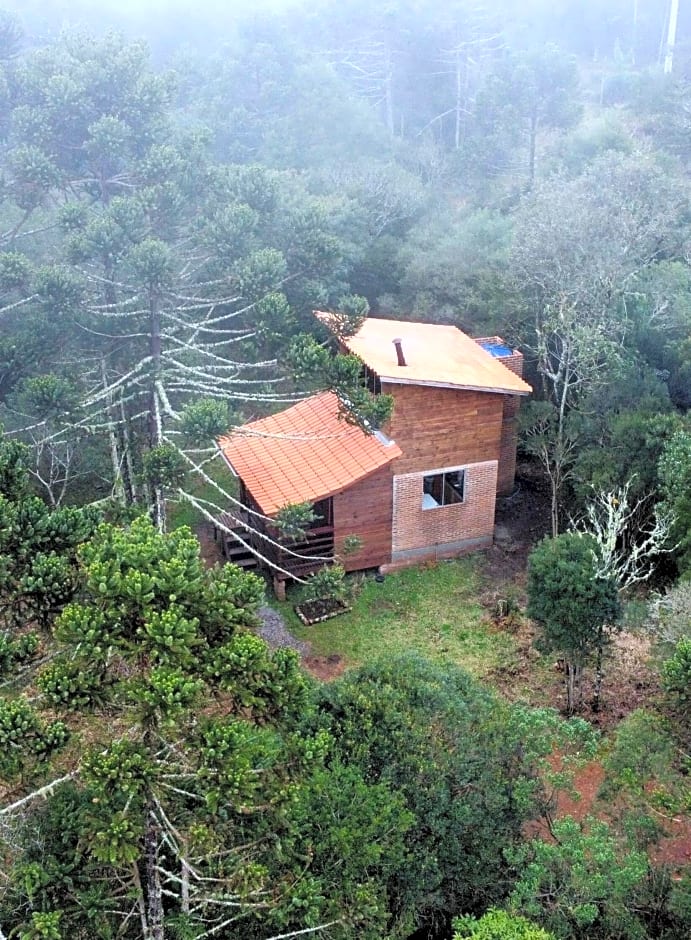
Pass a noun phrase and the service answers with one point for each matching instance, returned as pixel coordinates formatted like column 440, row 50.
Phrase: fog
column 600, row 27
column 165, row 24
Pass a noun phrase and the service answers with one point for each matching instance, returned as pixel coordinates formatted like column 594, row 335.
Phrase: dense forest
column 180, row 188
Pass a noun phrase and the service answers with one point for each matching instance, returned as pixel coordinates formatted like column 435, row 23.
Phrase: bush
column 327, row 584
column 676, row 674
column 498, row 925
column 71, row 685
column 24, row 737
column 14, row 652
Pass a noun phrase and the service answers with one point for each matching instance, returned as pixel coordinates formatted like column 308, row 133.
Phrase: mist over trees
column 181, row 185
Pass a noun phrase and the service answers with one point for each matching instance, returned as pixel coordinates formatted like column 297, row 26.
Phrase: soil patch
column 522, row 519
column 325, row 668
column 319, row 610
column 673, row 849
column 629, row 681
column 210, row 548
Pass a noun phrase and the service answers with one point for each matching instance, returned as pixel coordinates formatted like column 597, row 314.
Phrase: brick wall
column 429, row 533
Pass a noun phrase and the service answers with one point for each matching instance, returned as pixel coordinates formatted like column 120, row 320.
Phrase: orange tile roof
column 304, row 453
column 434, row 354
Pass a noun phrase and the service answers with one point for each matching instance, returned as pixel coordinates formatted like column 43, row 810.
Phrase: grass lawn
column 431, row 609
column 183, row 513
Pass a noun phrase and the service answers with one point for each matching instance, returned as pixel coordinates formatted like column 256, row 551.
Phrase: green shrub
column 498, row 925
column 676, row 673
column 14, row 652
column 71, row 685
column 329, row 583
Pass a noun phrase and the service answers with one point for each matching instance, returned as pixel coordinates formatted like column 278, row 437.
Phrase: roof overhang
column 396, row 380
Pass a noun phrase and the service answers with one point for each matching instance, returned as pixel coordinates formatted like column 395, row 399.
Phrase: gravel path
column 275, row 632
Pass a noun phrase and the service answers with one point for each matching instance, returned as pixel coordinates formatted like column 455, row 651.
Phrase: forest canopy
column 181, row 186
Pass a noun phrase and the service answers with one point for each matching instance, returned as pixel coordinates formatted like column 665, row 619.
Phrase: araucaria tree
column 151, row 631
column 575, row 604
column 188, row 798
column 177, row 281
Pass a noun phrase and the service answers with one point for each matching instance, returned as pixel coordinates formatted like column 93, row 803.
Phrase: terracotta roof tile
column 434, row 354
column 303, row 454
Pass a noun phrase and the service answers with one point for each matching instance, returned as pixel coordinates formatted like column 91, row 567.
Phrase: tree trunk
column 533, row 140
column 128, row 467
column 118, row 486
column 154, row 894
column 671, row 36
column 184, row 886
column 572, row 677
column 598, row 671
column 388, row 86
column 155, row 347
column 568, row 679
column 155, row 420
column 461, row 89
column 554, row 507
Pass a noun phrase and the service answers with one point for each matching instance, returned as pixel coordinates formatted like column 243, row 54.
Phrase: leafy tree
column 586, row 885
column 465, row 767
column 675, row 474
column 38, row 546
column 452, row 264
column 182, row 277
column 576, row 608
column 552, row 437
column 526, row 92
column 676, row 674
column 626, row 445
column 200, row 803
column 497, row 925
column 573, row 259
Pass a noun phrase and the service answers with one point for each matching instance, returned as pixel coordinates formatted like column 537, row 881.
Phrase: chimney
column 399, row 352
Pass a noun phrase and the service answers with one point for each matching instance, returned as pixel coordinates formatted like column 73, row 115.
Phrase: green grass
column 183, row 513
column 432, row 610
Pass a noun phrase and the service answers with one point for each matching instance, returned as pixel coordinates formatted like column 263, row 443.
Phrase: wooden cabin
column 422, row 488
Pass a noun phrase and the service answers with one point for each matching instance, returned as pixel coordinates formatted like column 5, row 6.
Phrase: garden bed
column 316, row 611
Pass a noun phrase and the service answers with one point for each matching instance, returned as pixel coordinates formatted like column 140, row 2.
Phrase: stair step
column 243, row 562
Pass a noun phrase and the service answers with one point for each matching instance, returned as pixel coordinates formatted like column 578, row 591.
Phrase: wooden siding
column 366, row 510
column 443, row 427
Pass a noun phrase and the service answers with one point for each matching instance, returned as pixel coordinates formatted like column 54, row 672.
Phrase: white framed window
column 443, row 488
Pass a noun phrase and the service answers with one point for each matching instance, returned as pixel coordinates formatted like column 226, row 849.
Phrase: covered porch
column 309, row 454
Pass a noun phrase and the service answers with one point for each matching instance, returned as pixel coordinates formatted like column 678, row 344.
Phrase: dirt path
column 276, row 634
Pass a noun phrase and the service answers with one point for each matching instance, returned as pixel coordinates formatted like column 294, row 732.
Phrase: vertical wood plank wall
column 366, row 510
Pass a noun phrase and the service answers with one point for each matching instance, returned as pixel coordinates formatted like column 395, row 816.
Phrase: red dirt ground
column 672, row 849
column 630, row 680
column 324, row 668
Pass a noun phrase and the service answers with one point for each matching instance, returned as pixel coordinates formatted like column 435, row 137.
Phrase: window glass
column 443, row 489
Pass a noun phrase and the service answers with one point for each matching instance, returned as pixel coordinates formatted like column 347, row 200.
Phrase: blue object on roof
column 497, row 349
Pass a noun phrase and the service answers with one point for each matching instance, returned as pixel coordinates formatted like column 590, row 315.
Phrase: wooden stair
column 232, row 550
column 237, row 554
